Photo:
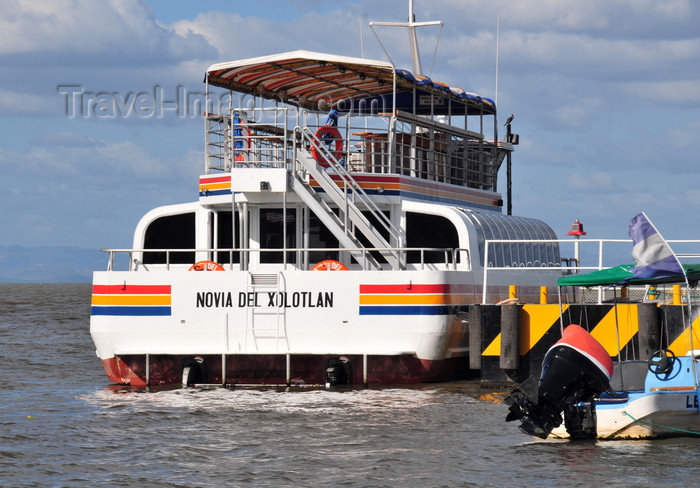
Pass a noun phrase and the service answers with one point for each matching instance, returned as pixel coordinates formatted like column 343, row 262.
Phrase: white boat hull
column 649, row 415
column 667, row 406
column 282, row 327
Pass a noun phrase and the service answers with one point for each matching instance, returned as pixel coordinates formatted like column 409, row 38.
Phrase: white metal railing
column 379, row 143
column 436, row 151
column 250, row 137
column 597, row 256
column 451, row 257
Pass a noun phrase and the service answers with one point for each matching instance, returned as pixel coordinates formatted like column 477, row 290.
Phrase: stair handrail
column 327, row 212
column 347, row 178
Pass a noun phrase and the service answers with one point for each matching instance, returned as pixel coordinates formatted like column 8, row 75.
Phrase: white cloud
column 12, row 102
column 71, row 156
column 89, row 192
column 683, row 93
column 590, row 182
column 72, row 31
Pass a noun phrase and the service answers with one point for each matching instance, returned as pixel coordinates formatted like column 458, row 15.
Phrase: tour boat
column 338, row 236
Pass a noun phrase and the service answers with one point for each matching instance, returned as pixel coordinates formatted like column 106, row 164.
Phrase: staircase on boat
column 409, row 145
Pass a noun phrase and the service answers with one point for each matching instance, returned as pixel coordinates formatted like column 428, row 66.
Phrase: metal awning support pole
column 206, row 124
column 284, row 230
column 600, row 266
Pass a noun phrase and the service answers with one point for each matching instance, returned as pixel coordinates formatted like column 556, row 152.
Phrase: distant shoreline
column 19, row 264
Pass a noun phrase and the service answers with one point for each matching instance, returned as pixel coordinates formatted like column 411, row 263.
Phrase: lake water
column 63, row 425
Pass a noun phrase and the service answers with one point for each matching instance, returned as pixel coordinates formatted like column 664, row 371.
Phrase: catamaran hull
column 283, row 327
column 298, row 370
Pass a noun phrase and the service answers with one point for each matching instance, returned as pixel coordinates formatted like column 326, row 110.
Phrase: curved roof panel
column 493, row 225
column 305, row 78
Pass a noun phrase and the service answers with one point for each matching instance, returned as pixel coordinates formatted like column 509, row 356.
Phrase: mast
column 412, row 38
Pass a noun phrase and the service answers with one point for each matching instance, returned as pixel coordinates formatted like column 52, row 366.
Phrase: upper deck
column 371, row 119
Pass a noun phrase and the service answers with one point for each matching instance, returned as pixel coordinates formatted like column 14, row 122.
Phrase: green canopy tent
column 619, row 274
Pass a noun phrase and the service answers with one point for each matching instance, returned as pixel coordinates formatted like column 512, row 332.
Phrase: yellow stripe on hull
column 402, row 299
column 131, row 300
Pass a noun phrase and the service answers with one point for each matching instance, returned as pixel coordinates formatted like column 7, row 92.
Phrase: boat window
column 170, row 232
column 224, row 230
column 424, row 230
column 272, row 232
column 321, row 237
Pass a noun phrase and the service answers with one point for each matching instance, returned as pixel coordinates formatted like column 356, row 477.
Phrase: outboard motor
column 574, row 370
column 338, row 371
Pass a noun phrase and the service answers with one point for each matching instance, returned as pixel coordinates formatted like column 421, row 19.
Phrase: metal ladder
column 263, row 322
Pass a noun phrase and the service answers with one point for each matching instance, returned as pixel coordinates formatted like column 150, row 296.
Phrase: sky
column 605, row 93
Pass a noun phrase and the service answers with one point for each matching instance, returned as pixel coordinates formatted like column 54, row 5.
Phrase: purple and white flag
column 653, row 257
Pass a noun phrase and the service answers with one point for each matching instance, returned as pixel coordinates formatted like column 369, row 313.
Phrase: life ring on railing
column 327, row 134
column 206, row 266
column 329, row 265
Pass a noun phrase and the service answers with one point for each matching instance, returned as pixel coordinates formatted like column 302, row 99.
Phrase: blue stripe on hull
column 425, row 198
column 213, row 193
column 405, row 310
column 131, row 311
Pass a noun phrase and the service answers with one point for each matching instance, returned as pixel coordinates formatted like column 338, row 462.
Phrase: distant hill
column 49, row 264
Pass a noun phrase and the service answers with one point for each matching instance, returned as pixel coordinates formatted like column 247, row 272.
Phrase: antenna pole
column 498, row 27
column 412, row 38
column 362, row 42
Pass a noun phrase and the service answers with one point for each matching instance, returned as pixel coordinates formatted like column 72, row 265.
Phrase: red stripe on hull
column 437, row 288
column 131, row 289
column 215, row 179
column 271, row 369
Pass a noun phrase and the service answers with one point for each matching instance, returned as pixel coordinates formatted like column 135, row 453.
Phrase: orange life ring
column 326, row 134
column 329, row 265
column 206, row 266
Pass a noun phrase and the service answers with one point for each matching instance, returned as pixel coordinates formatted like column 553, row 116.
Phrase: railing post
column 485, row 270
column 512, row 291
column 677, row 297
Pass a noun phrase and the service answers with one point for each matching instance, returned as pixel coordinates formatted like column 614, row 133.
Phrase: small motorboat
column 581, row 394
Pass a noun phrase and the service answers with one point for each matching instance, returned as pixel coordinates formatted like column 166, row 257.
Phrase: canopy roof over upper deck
column 305, row 78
